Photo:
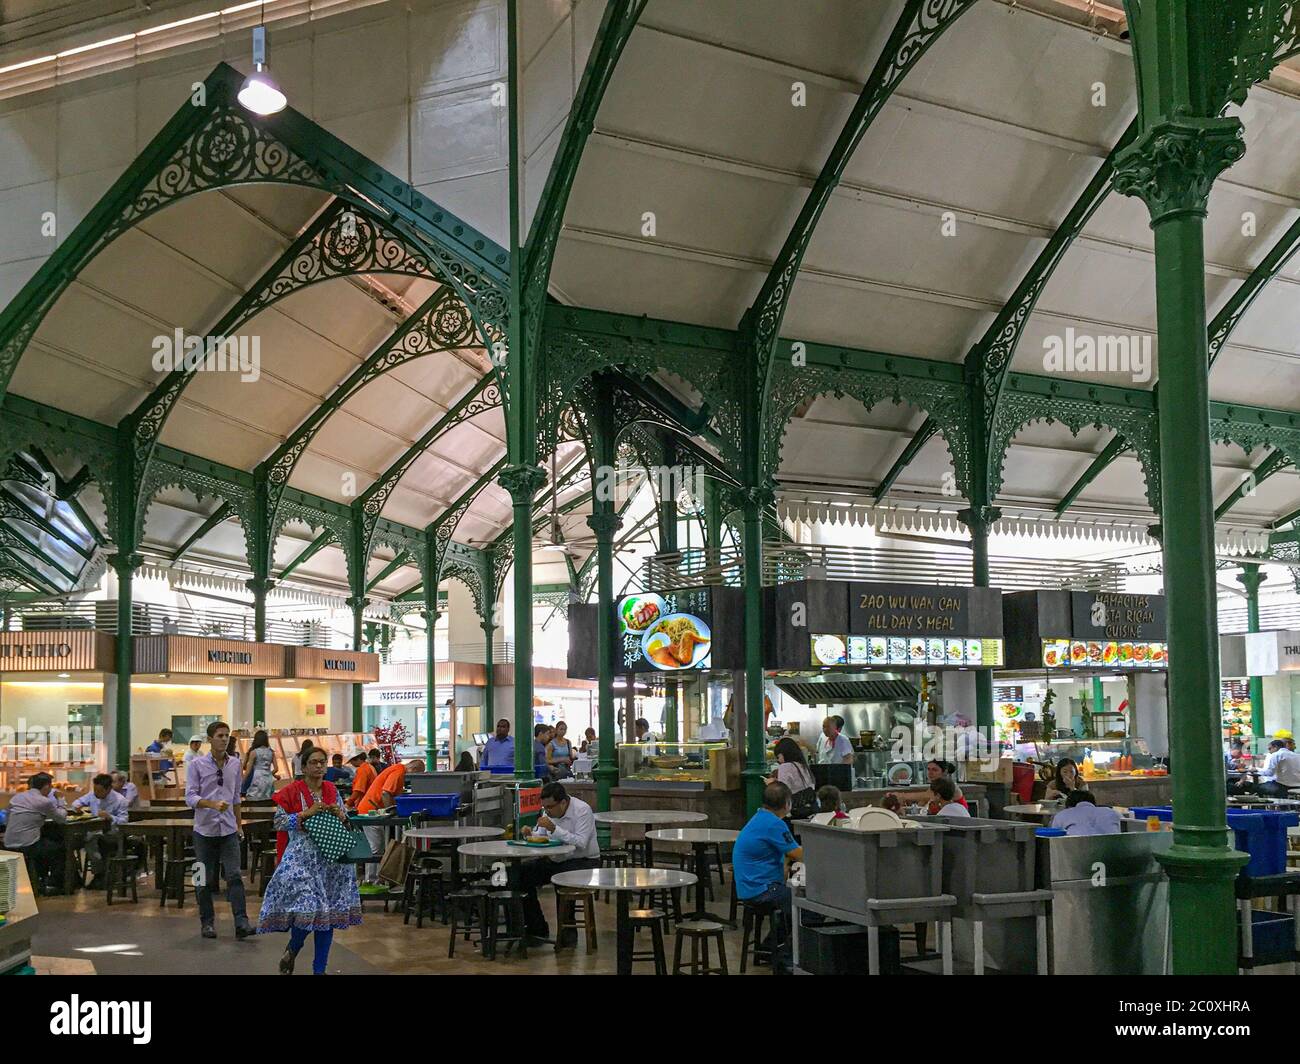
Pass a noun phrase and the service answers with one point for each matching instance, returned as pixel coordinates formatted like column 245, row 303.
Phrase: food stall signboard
column 831, row 649
column 669, row 632
column 1107, row 616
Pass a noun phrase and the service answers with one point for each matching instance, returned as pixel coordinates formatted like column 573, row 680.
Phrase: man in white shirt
column 1281, row 772
column 196, row 745
column 568, row 820
column 833, row 748
column 28, row 812
column 109, row 806
column 126, row 789
column 1082, row 816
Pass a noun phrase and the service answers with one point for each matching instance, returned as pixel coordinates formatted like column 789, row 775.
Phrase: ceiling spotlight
column 259, row 93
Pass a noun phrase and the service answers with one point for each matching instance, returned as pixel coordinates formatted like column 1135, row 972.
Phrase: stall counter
column 20, row 924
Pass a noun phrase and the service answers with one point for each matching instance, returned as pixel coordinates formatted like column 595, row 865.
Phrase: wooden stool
column 755, row 914
column 265, row 869
column 505, row 907
column 569, row 903
column 653, row 919
column 472, row 905
column 636, row 850
column 669, row 901
column 173, row 881
column 423, row 885
column 121, row 868
column 613, row 859
column 700, row 932
column 688, row 863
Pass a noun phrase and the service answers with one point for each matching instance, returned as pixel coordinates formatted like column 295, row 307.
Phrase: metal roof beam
column 388, row 570
column 1275, row 462
column 1117, row 446
column 307, row 552
column 929, row 428
column 1269, row 267
column 209, row 523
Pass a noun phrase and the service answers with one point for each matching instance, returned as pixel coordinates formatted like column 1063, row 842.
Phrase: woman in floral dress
column 308, row 892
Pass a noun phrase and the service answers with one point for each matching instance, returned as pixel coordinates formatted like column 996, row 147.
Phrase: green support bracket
column 1109, row 453
column 306, row 554
column 388, row 570
column 1275, row 462
column 208, row 524
column 929, row 428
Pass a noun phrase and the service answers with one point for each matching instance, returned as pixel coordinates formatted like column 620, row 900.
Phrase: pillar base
column 1202, row 908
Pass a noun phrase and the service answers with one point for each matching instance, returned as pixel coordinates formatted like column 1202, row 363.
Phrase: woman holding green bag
column 311, row 890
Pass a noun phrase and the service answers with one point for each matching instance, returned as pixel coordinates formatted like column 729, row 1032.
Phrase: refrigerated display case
column 670, row 765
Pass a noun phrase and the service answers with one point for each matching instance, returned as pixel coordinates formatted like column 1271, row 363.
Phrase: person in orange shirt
column 388, row 783
column 362, row 779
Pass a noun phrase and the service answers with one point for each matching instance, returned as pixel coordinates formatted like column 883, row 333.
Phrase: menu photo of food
column 1126, row 654
column 636, row 613
column 879, row 650
column 974, row 649
column 1078, row 653
column 857, row 650
column 1141, row 655
column 829, row 650
column 1159, row 656
column 1094, row 653
column 916, row 650
column 898, row 650
column 1109, row 653
column 1056, row 653
column 956, row 651
column 678, row 641
column 935, row 652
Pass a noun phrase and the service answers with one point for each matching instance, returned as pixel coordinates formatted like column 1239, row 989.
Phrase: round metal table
column 499, row 850
column 1035, row 812
column 625, row 882
column 439, row 836
column 647, row 818
column 700, row 839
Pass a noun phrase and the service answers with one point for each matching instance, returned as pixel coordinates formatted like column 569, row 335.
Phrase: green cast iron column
column 1098, row 701
column 124, row 565
column 605, row 523
column 1251, row 577
column 979, row 520
column 755, row 771
column 357, row 605
column 489, row 686
column 430, row 612
column 1172, row 167
column 259, row 586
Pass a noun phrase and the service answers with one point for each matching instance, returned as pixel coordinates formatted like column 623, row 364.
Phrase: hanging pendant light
column 259, row 93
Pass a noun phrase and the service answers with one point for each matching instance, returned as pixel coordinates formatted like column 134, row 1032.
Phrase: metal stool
column 505, row 907
column 472, row 905
column 755, row 914
column 569, row 903
column 654, row 920
column 614, row 859
column 700, row 932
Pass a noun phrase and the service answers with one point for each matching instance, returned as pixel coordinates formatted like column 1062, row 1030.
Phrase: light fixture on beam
column 259, row 93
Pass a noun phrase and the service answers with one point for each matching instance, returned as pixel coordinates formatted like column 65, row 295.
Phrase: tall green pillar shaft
column 1098, row 701
column 605, row 522
column 431, row 682
column 1172, row 166
column 1251, row 577
column 124, row 566
column 259, row 586
column 489, row 685
column 358, row 606
column 979, row 520
column 755, row 770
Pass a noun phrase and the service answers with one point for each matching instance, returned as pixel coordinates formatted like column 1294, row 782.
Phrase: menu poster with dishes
column 669, row 632
column 832, row 649
column 1103, row 654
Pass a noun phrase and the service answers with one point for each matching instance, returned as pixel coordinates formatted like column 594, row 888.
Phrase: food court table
column 1035, row 812
column 648, row 818
column 431, row 838
column 700, row 839
column 499, row 849
column 74, row 832
column 625, row 882
column 162, row 835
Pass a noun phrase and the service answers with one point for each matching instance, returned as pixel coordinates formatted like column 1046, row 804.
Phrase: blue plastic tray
column 433, row 804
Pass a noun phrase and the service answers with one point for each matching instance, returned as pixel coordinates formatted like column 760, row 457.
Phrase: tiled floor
column 143, row 939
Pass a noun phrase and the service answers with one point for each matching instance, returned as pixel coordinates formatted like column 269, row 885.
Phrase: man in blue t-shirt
column 157, row 747
column 499, row 751
column 761, row 851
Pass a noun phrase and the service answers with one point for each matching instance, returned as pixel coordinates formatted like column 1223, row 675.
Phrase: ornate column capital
column 760, row 495
column 356, row 604
column 125, row 564
column 1173, row 165
column 604, row 524
column 979, row 518
column 1251, row 576
column 259, row 585
column 431, row 616
column 522, row 482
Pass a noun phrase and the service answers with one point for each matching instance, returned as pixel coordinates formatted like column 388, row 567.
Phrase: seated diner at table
column 25, row 832
column 944, row 770
column 1083, row 816
column 760, row 857
column 565, row 819
column 104, row 802
column 943, row 794
column 1065, row 779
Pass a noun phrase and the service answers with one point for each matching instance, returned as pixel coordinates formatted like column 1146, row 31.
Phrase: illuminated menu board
column 916, row 652
column 1095, row 630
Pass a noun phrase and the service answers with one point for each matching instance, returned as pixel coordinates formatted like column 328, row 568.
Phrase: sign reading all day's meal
column 916, row 625
column 669, row 632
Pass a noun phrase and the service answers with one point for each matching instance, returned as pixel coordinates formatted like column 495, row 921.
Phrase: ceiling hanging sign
column 1270, row 653
column 1085, row 630
column 199, row 656
column 335, row 666
column 56, row 650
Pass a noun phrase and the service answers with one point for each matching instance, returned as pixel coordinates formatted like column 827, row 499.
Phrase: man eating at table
column 570, row 821
column 105, row 803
